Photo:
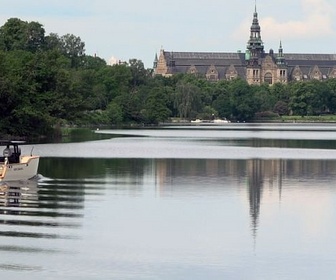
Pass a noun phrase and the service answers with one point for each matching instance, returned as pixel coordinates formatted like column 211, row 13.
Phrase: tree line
column 48, row 81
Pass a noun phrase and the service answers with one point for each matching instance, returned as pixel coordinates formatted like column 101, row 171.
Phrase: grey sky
column 138, row 29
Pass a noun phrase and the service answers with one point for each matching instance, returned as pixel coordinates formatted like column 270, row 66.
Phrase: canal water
column 205, row 202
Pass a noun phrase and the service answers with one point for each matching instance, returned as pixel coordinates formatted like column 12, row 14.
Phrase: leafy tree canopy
column 48, row 80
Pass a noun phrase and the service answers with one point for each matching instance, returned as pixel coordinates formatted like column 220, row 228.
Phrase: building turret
column 255, row 45
column 255, row 52
column 162, row 64
column 280, row 57
column 155, row 61
column 282, row 67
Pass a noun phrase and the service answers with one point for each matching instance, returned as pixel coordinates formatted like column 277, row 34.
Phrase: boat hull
column 24, row 170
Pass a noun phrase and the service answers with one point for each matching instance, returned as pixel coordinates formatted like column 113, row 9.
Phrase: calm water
column 232, row 202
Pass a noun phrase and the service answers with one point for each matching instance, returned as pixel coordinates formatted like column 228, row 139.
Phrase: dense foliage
column 47, row 81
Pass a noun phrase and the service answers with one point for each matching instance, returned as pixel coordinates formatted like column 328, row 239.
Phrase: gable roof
column 181, row 62
column 205, row 58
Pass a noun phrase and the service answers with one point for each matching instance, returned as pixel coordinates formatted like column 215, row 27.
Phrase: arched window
column 268, row 78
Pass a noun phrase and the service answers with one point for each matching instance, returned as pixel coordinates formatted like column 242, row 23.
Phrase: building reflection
column 256, row 176
column 19, row 194
column 44, row 204
column 262, row 174
column 255, row 171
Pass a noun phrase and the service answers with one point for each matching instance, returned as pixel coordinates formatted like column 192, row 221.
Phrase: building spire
column 280, row 49
column 155, row 63
column 280, row 57
column 255, row 45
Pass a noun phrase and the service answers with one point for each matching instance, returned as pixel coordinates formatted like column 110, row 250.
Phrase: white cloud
column 316, row 22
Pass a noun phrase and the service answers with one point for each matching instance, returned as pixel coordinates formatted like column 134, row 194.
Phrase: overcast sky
column 138, row 29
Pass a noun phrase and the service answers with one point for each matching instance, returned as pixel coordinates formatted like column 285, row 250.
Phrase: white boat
column 14, row 166
column 221, row 121
column 196, row 121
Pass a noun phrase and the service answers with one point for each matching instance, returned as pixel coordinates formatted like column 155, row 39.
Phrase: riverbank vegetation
column 48, row 82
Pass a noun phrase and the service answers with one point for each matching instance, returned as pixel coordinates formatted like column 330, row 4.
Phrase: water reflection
column 255, row 173
column 23, row 268
column 20, row 193
column 184, row 178
column 33, row 212
column 233, row 203
column 220, row 177
column 108, row 216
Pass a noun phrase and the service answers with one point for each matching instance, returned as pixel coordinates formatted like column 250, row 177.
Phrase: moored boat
column 14, row 166
column 221, row 121
column 214, row 121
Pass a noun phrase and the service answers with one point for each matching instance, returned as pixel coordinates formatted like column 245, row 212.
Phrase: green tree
column 93, row 62
column 16, row 34
column 116, row 80
column 138, row 71
column 187, row 99
column 74, row 48
column 53, row 42
column 114, row 112
column 35, row 40
column 264, row 99
column 308, row 98
column 131, row 105
column 222, row 101
column 281, row 108
column 331, row 84
column 243, row 102
column 155, row 107
column 208, row 113
column 13, row 35
column 281, row 92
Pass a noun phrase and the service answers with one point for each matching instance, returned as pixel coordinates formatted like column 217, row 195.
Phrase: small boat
column 197, row 121
column 13, row 165
column 220, row 121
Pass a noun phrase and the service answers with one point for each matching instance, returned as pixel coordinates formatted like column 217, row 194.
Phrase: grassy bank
column 300, row 119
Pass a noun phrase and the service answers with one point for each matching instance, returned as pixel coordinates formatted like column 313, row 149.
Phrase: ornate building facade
column 255, row 65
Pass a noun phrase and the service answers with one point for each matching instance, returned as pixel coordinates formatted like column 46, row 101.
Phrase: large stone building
column 255, row 65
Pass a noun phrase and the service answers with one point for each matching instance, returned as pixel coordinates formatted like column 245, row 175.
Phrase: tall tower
column 155, row 61
column 282, row 67
column 255, row 45
column 254, row 52
column 280, row 57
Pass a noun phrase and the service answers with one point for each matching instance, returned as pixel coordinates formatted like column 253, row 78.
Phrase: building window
column 255, row 73
column 212, row 73
column 268, row 78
